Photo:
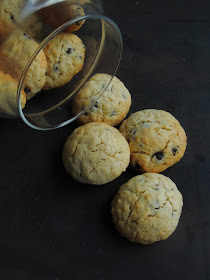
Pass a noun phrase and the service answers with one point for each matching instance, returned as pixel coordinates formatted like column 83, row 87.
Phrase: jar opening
column 51, row 109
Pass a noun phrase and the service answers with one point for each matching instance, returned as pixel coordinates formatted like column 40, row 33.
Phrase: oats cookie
column 96, row 153
column 65, row 55
column 111, row 108
column 8, row 95
column 15, row 52
column 156, row 140
column 147, row 208
column 9, row 19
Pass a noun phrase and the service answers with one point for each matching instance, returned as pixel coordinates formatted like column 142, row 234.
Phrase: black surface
column 53, row 228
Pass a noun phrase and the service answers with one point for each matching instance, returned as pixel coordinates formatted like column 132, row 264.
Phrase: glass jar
column 49, row 49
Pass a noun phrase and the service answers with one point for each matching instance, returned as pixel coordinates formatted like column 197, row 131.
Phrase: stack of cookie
column 54, row 66
column 147, row 208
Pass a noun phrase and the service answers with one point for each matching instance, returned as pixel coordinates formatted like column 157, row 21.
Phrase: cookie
column 156, row 140
column 15, row 53
column 147, row 208
column 10, row 19
column 58, row 14
column 111, row 108
column 75, row 11
column 65, row 55
column 96, row 153
column 8, row 95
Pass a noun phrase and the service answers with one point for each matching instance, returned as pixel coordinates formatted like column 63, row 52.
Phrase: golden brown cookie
column 10, row 19
column 147, row 208
column 8, row 95
column 111, row 108
column 15, row 53
column 156, row 140
column 96, row 153
column 65, row 55
column 58, row 14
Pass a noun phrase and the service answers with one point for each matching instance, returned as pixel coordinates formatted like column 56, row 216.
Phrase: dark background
column 53, row 228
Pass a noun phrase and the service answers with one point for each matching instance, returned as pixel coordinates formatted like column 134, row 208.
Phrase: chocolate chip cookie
column 10, row 19
column 15, row 53
column 8, row 95
column 65, row 55
column 147, row 208
column 96, row 153
column 156, row 140
column 111, row 108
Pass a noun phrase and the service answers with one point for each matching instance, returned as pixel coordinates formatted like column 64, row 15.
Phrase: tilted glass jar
column 26, row 29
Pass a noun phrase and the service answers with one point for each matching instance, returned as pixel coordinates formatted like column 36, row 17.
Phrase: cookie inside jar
column 69, row 43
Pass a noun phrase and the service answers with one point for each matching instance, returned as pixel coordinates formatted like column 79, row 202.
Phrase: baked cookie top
column 156, row 140
column 65, row 55
column 10, row 19
column 15, row 53
column 111, row 108
column 8, row 95
column 96, row 153
column 147, row 208
column 62, row 12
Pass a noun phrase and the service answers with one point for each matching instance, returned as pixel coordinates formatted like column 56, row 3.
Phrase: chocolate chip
column 85, row 113
column 137, row 167
column 80, row 57
column 70, row 50
column 133, row 131
column 174, row 150
column 27, row 90
column 12, row 18
column 55, row 67
column 26, row 35
column 159, row 155
column 96, row 104
column 78, row 22
column 113, row 113
column 172, row 214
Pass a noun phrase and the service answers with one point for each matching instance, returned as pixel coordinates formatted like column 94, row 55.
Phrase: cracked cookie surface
column 8, row 95
column 111, row 108
column 156, row 140
column 15, row 53
column 9, row 19
column 147, row 208
column 62, row 12
column 96, row 153
column 65, row 55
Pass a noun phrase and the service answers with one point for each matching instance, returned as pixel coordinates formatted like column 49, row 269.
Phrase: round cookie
column 111, row 108
column 65, row 55
column 9, row 19
column 156, row 140
column 96, row 153
column 15, row 53
column 8, row 95
column 75, row 11
column 147, row 208
column 62, row 12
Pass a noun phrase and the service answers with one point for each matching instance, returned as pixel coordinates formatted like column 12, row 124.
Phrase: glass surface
column 40, row 30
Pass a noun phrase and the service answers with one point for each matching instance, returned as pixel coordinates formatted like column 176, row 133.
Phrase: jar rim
column 41, row 46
